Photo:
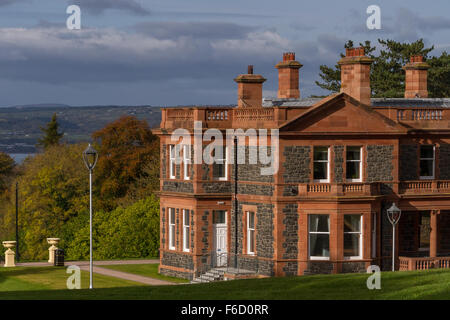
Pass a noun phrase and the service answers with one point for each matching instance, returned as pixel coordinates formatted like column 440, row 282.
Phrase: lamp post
column 90, row 157
column 393, row 214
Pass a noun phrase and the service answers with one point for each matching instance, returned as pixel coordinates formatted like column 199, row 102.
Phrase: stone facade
column 164, row 161
column 409, row 162
column 177, row 274
column 353, row 267
column 178, row 260
column 338, row 163
column 379, row 163
column 444, row 162
column 290, row 233
column 255, row 189
column 252, row 172
column 316, row 267
column 177, row 186
column 297, row 164
column 216, row 187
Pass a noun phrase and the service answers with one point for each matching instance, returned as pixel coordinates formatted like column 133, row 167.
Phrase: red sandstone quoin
column 343, row 160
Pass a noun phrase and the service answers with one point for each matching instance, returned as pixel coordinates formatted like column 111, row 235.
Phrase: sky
column 178, row 52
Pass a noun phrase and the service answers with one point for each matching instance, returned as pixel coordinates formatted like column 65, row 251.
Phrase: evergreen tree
column 51, row 135
column 387, row 76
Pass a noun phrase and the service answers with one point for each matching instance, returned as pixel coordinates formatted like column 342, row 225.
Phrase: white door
column 220, row 237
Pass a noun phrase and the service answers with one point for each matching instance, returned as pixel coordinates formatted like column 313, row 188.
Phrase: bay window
column 319, row 236
column 352, row 236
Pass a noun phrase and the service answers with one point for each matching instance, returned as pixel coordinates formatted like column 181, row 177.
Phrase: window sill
column 319, row 258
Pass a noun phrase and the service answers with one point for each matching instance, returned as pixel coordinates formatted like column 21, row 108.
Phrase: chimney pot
column 250, row 69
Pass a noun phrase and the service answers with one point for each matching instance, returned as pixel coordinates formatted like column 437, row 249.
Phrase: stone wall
column 444, row 162
column 205, row 233
column 217, row 187
column 255, row 189
column 379, row 163
column 407, row 232
column 316, row 267
column 290, row 232
column 177, row 186
column 338, row 164
column 264, row 229
column 386, row 239
column 177, row 274
column 290, row 268
column 297, row 164
column 353, row 267
column 252, row 172
column 290, row 190
column 163, row 222
column 178, row 260
column 409, row 162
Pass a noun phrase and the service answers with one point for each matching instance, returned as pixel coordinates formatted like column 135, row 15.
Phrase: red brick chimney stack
column 288, row 76
column 355, row 74
column 250, row 89
column 416, row 74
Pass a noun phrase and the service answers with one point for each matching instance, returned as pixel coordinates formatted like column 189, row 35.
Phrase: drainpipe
column 235, row 203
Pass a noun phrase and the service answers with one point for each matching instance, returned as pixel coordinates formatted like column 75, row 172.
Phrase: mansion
column 342, row 161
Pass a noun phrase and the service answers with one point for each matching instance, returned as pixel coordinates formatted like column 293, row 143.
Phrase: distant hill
column 20, row 125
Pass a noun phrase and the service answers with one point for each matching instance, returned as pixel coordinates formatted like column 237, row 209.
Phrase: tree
column 125, row 232
column 387, row 76
column 51, row 135
column 126, row 148
column 7, row 165
column 53, row 190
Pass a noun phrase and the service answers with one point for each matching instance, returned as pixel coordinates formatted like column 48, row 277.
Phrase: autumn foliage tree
column 127, row 152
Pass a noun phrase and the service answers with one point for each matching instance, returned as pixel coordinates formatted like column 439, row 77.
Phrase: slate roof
column 376, row 102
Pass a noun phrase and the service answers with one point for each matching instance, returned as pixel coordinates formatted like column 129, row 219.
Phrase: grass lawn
column 48, row 278
column 433, row 284
column 146, row 270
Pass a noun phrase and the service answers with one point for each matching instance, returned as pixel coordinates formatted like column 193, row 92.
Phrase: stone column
column 9, row 254
column 434, row 232
column 51, row 251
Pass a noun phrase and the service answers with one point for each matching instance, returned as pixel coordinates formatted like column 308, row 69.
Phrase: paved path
column 127, row 276
column 84, row 265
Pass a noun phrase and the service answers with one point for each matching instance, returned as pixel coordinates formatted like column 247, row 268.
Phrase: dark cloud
column 8, row 2
column 198, row 30
column 99, row 6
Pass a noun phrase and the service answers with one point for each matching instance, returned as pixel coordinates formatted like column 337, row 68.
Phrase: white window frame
column 186, row 230
column 327, row 180
column 249, row 232
column 358, row 257
column 317, row 232
column 186, row 161
column 434, row 162
column 172, row 162
column 172, row 229
column 225, row 159
column 360, row 164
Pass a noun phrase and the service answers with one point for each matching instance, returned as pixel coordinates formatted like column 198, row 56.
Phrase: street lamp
column 393, row 214
column 90, row 157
